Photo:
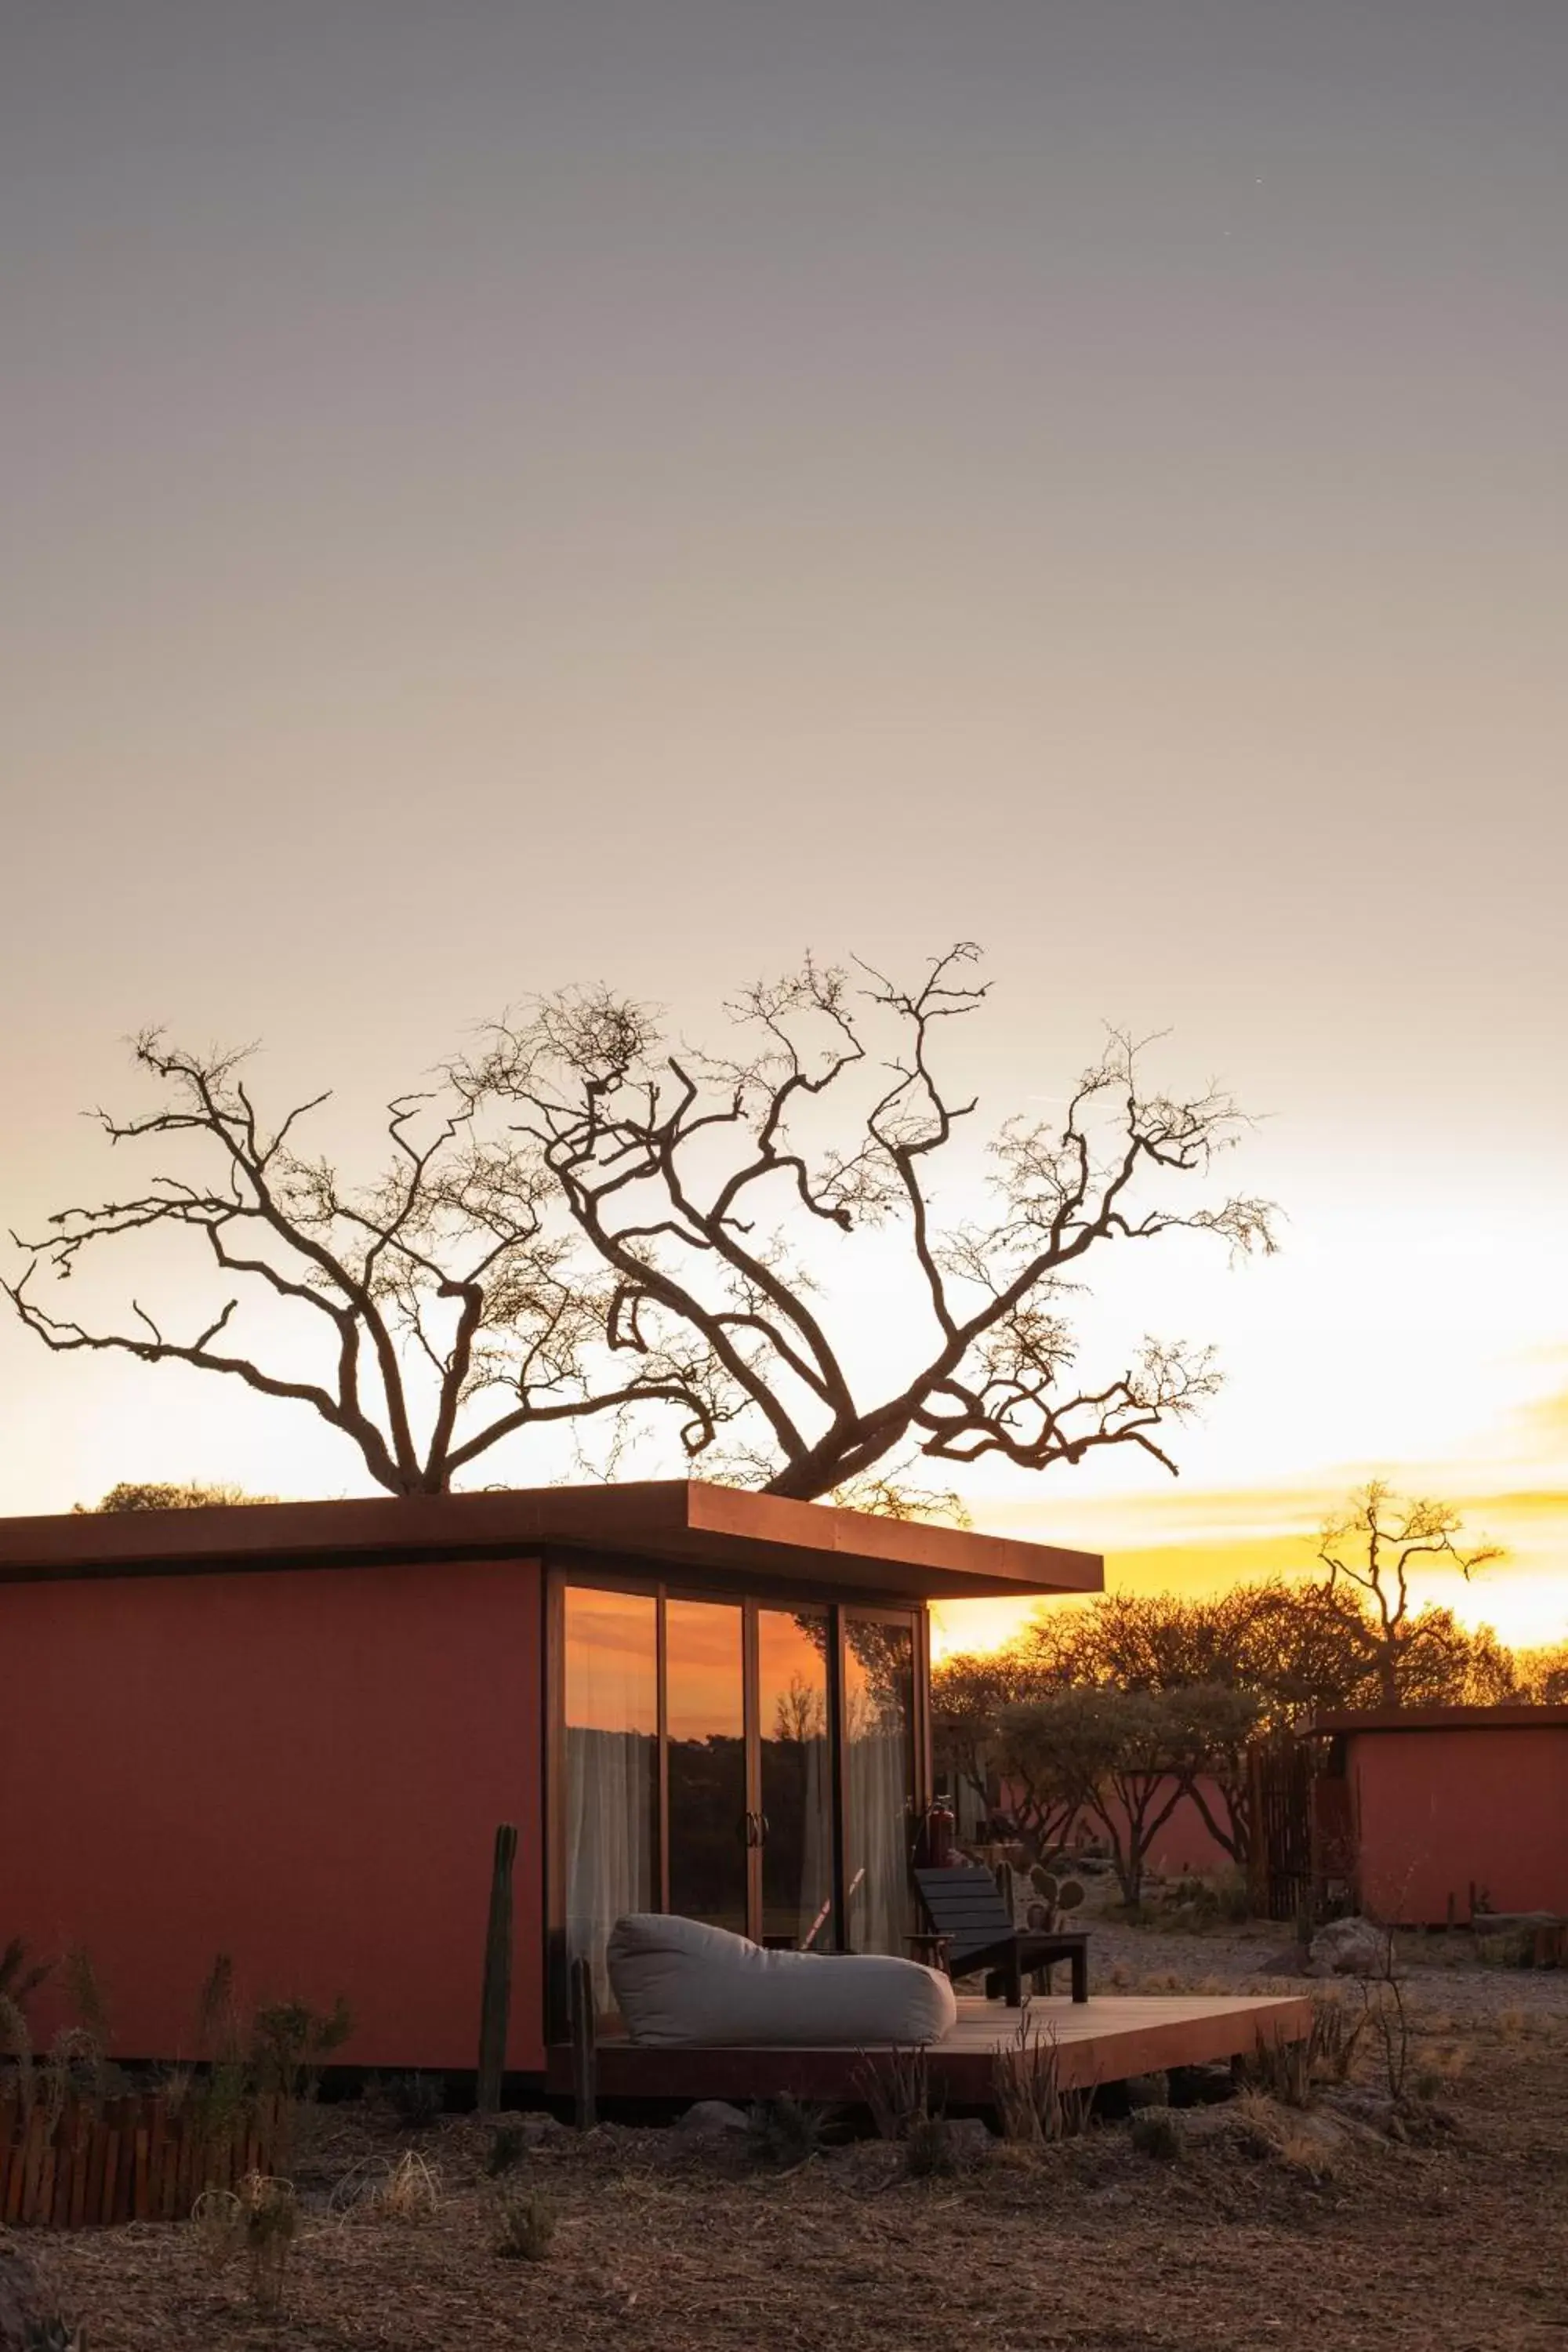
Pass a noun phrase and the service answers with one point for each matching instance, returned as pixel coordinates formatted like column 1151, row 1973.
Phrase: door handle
column 745, row 1829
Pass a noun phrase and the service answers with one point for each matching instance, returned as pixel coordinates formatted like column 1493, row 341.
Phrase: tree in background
column 1542, row 1675
column 1210, row 1727
column 1124, row 1760
column 191, row 1497
column 1367, row 1551
column 969, row 1688
column 1162, row 1640
column 1263, row 1656
column 1305, row 1645
column 586, row 1224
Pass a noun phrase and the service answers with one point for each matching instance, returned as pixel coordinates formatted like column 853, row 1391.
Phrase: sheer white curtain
column 816, row 1845
column 879, row 1672
column 609, row 1840
column 879, row 1772
column 612, row 1721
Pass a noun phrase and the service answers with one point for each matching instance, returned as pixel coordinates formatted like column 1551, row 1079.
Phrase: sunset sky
column 501, row 495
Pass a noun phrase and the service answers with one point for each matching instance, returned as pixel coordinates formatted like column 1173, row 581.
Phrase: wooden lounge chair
column 971, row 1928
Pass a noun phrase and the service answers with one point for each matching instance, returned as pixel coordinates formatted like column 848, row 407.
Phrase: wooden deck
column 1103, row 2039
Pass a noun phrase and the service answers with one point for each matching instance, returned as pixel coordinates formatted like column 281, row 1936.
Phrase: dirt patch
column 1247, row 2225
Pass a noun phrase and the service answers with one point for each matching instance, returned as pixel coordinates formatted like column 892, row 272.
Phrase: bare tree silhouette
column 583, row 1223
column 1369, row 1586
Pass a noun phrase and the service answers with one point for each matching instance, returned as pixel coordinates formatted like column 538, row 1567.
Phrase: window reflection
column 796, row 1788
column 879, row 1770
column 612, row 1766
column 706, row 1720
column 612, row 1799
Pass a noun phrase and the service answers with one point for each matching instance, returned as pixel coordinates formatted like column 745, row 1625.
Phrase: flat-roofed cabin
column 289, row 1732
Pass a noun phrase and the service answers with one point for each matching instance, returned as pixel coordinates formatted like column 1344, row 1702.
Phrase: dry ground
column 1260, row 2232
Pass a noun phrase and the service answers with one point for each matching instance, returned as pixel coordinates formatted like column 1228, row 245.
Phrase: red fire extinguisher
column 939, row 1830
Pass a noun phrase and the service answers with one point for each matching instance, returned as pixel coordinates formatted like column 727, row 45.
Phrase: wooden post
column 584, row 2070
column 1258, row 1888
column 495, row 2000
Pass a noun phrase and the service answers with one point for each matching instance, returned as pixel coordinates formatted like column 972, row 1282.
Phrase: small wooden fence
column 87, row 2164
column 1303, row 1861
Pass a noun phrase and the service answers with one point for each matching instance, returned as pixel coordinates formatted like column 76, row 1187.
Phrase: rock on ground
column 712, row 2116
column 1350, row 1948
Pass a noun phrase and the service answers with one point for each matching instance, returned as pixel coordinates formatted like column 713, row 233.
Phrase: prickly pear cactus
column 1054, row 1898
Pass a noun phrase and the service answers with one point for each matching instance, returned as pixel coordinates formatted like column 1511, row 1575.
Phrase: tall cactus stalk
column 495, row 2001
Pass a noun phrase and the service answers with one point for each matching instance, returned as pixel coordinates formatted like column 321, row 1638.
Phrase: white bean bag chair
column 676, row 1981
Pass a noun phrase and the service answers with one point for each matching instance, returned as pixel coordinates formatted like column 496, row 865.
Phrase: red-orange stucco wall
column 1438, row 1810
column 304, row 1768
column 1183, row 1846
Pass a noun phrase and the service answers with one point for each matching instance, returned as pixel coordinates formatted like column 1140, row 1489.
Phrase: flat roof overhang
column 685, row 1523
column 1519, row 1717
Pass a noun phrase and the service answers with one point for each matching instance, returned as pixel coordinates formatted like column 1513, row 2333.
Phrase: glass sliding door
column 748, row 1763
column 709, row 1838
column 610, row 1707
column 878, row 1780
column 794, row 1777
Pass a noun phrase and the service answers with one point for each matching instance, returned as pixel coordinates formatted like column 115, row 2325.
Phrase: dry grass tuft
column 405, row 2189
column 1291, row 2072
column 1032, row 2106
column 259, row 2219
column 1448, row 2061
column 218, row 2224
column 1311, row 2146
column 895, row 2084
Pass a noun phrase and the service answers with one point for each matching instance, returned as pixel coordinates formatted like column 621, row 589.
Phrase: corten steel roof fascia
column 685, row 1522
column 1518, row 1717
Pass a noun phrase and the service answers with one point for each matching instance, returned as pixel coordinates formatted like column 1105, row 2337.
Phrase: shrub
column 86, row 1996
column 270, row 2211
column 20, row 1976
column 290, row 2041
column 1154, row 2133
column 785, row 2132
column 526, row 2227
column 507, row 2144
column 1197, row 1901
column 17, row 2043
column 417, row 2100
column 929, row 2149
column 259, row 2219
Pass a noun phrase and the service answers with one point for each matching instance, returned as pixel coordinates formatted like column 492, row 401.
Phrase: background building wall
column 1436, row 1809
